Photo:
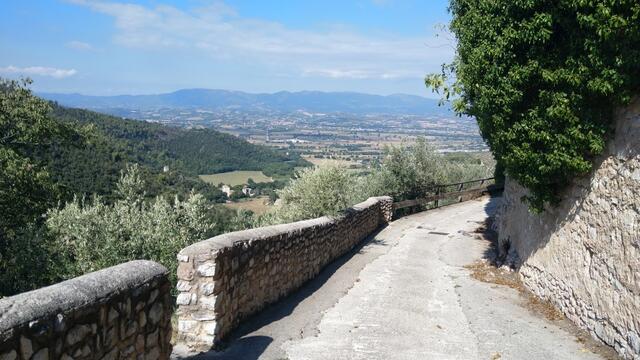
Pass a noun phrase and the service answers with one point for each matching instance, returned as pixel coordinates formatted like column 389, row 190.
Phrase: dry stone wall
column 122, row 312
column 584, row 256
column 229, row 277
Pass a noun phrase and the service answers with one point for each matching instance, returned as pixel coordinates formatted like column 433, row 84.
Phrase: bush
column 28, row 261
column 542, row 78
column 26, row 188
column 314, row 192
column 91, row 235
column 410, row 172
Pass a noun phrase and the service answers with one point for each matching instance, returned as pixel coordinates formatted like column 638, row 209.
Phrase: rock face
column 122, row 312
column 229, row 277
column 584, row 256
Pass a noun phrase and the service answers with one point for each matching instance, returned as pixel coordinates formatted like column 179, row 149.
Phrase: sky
column 111, row 47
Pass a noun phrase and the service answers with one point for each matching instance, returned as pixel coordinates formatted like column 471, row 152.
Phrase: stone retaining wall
column 584, row 255
column 229, row 277
column 122, row 312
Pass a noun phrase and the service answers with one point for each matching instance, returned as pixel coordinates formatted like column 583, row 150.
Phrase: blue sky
column 135, row 47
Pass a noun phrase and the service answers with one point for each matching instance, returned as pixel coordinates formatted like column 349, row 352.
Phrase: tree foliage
column 412, row 171
column 315, row 192
column 26, row 189
column 543, row 78
column 91, row 235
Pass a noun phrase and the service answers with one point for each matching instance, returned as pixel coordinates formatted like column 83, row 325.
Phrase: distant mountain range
column 312, row 101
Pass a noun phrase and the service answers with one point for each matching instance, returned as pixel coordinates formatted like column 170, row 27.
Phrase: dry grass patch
column 258, row 205
column 233, row 178
column 488, row 273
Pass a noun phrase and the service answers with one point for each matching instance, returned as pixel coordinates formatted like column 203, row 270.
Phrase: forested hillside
column 110, row 143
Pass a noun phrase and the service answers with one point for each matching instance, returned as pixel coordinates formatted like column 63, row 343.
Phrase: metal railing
column 462, row 190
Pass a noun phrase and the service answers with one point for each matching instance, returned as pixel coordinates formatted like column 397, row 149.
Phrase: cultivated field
column 259, row 205
column 329, row 162
column 233, row 178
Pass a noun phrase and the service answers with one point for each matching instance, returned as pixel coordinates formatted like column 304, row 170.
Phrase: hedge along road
column 406, row 294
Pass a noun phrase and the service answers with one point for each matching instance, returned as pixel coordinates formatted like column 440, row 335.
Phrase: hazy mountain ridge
column 313, row 101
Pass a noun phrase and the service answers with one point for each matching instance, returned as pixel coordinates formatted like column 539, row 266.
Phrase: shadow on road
column 247, row 348
column 486, row 231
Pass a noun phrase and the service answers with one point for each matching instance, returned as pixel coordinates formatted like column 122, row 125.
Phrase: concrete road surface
column 405, row 294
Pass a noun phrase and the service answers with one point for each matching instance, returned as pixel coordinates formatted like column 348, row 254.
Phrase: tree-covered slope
column 110, row 143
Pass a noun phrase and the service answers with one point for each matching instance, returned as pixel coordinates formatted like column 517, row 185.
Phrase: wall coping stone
column 269, row 232
column 85, row 290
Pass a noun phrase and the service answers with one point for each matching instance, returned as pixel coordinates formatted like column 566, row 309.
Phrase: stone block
column 207, row 269
column 140, row 343
column 155, row 313
column 26, row 347
column 183, row 298
column 77, row 334
column 59, row 324
column 185, row 271
column 132, row 328
column 183, row 285
column 111, row 355
column 113, row 315
column 187, row 326
column 9, row 355
column 82, row 352
column 152, row 339
column 42, row 354
column 153, row 296
column 111, row 337
column 207, row 288
column 153, row 354
column 211, row 327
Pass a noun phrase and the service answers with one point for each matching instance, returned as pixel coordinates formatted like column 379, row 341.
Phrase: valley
column 356, row 138
column 352, row 127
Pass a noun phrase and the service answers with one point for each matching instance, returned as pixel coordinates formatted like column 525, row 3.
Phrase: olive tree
column 90, row 234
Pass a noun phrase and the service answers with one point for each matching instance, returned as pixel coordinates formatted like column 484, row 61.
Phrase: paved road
column 406, row 295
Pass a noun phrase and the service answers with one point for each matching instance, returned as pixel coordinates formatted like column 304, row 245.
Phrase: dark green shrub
column 543, row 78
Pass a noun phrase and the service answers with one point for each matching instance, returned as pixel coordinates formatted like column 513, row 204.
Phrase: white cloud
column 80, row 45
column 219, row 32
column 38, row 71
column 360, row 74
